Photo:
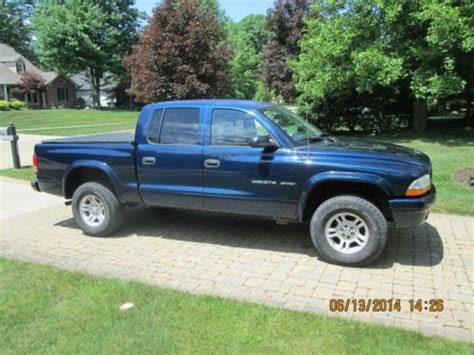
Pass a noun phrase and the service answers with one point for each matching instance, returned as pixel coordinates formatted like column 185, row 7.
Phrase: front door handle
column 212, row 163
column 149, row 161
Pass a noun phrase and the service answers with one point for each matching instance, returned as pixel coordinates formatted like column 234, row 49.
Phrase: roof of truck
column 247, row 104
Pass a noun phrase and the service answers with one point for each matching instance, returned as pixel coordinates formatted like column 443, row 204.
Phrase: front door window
column 234, row 128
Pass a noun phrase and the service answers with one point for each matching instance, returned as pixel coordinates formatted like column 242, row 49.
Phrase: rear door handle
column 212, row 163
column 149, row 161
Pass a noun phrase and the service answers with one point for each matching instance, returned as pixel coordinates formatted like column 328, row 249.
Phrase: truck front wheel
column 97, row 210
column 349, row 230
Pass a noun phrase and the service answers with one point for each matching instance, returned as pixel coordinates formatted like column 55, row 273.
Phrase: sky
column 235, row 9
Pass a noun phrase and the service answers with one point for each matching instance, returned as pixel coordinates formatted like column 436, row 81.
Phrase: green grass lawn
column 45, row 310
column 25, row 173
column 54, row 121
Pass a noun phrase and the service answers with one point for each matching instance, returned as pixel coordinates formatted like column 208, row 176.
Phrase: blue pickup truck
column 242, row 157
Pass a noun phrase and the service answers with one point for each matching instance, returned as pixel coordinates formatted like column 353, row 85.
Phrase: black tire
column 365, row 210
column 114, row 210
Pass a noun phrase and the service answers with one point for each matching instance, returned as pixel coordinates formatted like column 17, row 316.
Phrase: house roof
column 83, row 82
column 9, row 77
column 6, row 51
column 6, row 59
column 49, row 76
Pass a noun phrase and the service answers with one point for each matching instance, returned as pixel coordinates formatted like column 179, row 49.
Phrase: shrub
column 262, row 93
column 3, row 105
column 79, row 102
column 17, row 105
column 16, row 94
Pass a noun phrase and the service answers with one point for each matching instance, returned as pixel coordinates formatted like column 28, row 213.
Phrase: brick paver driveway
column 259, row 261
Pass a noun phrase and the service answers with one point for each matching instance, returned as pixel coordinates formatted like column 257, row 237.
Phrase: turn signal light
column 417, row 192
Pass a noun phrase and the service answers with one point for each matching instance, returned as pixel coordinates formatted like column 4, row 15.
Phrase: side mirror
column 265, row 142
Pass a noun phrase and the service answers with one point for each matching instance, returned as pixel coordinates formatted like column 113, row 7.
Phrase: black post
column 14, row 146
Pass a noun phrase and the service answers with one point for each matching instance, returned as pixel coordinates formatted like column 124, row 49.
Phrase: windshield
column 295, row 127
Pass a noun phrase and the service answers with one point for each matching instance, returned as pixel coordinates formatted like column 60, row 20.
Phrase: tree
column 14, row 28
column 31, row 83
column 212, row 9
column 88, row 35
column 247, row 38
column 285, row 22
column 180, row 55
column 410, row 51
column 255, row 26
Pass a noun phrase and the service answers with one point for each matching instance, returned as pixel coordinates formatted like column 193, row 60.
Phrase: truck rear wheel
column 349, row 230
column 97, row 210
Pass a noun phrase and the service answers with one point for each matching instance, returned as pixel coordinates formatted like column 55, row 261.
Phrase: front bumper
column 411, row 212
column 35, row 185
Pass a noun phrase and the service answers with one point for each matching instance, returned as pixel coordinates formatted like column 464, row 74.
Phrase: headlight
column 420, row 186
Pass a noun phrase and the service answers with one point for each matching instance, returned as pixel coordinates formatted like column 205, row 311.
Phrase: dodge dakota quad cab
column 242, row 157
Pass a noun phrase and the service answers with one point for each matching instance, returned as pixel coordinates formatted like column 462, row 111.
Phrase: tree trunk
column 420, row 115
column 95, row 84
column 385, row 123
column 468, row 118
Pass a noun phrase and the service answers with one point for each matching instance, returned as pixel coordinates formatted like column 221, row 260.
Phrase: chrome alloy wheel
column 346, row 233
column 92, row 210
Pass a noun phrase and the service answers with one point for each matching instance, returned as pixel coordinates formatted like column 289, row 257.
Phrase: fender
column 327, row 176
column 104, row 167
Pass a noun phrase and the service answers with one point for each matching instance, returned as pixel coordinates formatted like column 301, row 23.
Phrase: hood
column 366, row 149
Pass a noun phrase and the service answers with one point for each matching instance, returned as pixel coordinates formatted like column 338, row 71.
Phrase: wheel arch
column 89, row 171
column 326, row 185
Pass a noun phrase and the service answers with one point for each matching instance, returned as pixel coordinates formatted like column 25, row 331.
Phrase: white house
column 108, row 85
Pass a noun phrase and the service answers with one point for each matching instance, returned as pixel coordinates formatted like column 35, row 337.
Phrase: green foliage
column 262, row 93
column 75, row 36
column 380, row 53
column 246, row 38
column 212, row 8
column 254, row 25
column 14, row 26
column 3, row 105
column 17, row 105
column 79, row 103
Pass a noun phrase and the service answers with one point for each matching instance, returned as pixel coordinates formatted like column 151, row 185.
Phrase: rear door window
column 153, row 131
column 180, row 126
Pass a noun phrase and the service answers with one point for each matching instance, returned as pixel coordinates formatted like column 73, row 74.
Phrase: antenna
column 306, row 118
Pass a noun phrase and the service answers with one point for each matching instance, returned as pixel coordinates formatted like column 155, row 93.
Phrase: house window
column 20, row 67
column 63, row 94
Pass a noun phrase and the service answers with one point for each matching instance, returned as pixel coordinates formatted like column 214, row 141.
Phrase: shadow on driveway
column 420, row 246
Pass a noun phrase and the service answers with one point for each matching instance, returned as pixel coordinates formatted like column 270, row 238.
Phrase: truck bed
column 113, row 138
